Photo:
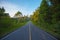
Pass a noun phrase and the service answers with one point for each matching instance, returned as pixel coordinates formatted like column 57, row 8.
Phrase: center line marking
column 29, row 32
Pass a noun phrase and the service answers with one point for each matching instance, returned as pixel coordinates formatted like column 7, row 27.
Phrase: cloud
column 10, row 8
column 13, row 8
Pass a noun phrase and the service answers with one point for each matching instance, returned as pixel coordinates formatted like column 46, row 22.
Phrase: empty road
column 29, row 32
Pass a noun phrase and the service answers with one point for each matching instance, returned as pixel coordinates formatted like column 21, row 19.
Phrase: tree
column 4, row 18
column 48, row 16
column 2, row 10
column 18, row 14
column 36, row 16
column 55, row 10
column 55, row 2
column 45, row 15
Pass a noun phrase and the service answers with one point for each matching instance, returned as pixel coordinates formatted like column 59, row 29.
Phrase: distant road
column 29, row 32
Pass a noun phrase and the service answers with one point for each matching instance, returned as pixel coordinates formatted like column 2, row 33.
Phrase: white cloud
column 13, row 8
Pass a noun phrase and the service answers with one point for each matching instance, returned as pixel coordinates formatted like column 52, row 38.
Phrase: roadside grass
column 51, row 29
column 7, row 30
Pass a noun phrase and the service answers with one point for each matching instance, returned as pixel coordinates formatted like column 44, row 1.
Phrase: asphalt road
column 29, row 32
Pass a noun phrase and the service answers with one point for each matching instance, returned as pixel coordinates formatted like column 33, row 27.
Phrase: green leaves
column 18, row 13
column 2, row 10
column 48, row 16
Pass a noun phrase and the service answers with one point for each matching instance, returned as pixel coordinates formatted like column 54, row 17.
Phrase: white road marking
column 29, row 32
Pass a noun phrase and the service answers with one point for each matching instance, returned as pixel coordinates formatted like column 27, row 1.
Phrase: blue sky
column 27, row 7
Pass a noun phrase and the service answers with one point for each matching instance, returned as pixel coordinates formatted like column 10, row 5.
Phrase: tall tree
column 55, row 9
column 2, row 10
column 45, row 16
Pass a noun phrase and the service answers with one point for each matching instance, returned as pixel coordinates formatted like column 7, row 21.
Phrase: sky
column 26, row 7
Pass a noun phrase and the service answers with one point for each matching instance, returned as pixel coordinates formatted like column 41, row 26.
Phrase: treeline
column 8, row 24
column 4, row 18
column 47, row 16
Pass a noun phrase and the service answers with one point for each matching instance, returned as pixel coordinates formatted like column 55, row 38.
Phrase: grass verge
column 49, row 30
column 7, row 30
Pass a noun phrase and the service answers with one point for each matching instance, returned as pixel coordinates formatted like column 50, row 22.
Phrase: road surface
column 29, row 32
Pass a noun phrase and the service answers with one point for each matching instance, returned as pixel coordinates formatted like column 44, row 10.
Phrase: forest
column 47, row 17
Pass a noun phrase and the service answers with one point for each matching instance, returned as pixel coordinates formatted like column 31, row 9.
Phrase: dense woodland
column 9, row 24
column 47, row 17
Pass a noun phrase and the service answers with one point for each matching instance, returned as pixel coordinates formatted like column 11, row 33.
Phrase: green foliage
column 18, row 13
column 8, row 24
column 48, row 17
column 2, row 10
column 4, row 18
